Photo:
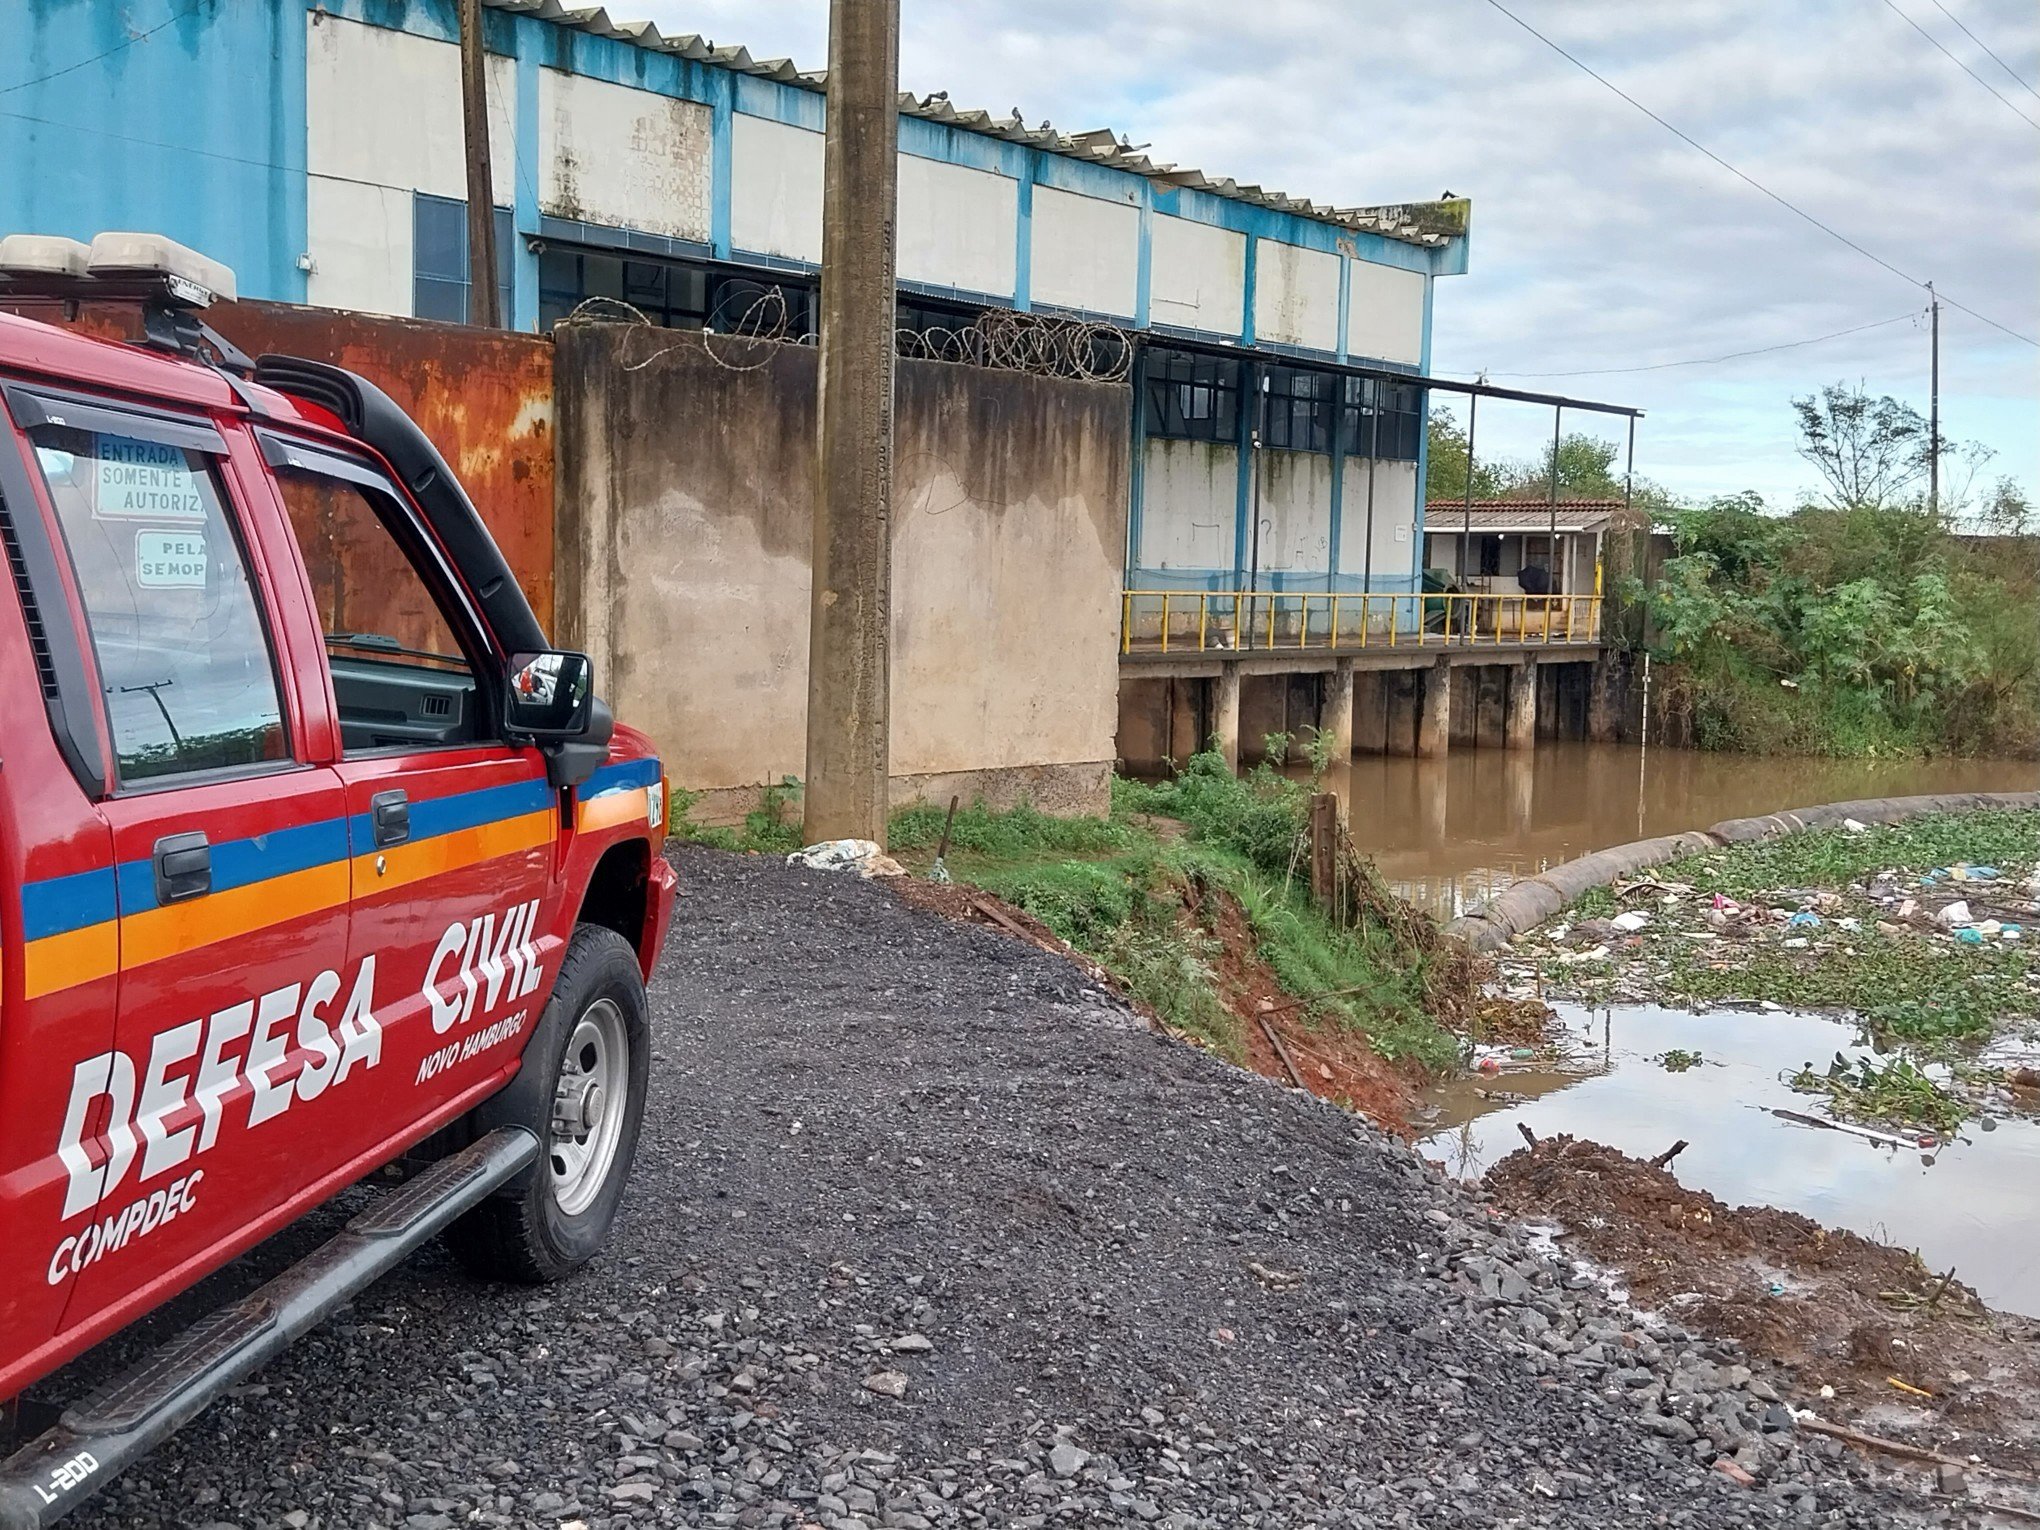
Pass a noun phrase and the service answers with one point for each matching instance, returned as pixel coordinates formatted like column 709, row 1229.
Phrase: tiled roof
column 1492, row 515
column 1428, row 224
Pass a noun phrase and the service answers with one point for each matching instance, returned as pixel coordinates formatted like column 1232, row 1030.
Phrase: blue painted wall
column 181, row 117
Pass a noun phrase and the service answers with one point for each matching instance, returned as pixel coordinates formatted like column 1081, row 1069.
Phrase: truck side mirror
column 549, row 695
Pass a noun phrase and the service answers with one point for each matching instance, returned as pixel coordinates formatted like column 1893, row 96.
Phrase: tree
column 1445, row 464
column 1586, row 470
column 1870, row 452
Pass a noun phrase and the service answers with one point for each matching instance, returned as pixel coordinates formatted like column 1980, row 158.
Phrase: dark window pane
column 436, row 299
column 439, row 234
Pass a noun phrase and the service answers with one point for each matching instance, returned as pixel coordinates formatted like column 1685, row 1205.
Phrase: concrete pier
column 1434, row 722
column 1225, row 714
column 1519, row 727
column 1336, row 723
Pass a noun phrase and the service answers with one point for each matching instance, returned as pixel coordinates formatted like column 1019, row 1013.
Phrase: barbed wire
column 1037, row 344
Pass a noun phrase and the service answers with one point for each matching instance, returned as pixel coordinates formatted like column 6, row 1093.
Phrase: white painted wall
column 775, row 189
column 1385, row 313
column 957, row 227
column 1296, row 503
column 1196, row 275
column 361, row 247
column 382, row 120
column 1190, row 498
column 1296, row 295
column 1084, row 252
column 1395, row 516
column 383, row 107
column 620, row 156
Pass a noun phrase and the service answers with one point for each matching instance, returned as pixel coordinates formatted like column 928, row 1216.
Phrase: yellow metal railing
column 1260, row 621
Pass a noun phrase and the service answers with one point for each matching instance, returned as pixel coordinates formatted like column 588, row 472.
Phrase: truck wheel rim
column 588, row 1106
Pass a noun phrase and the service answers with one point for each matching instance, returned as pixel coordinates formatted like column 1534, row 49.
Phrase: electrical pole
column 481, row 195
column 1934, row 406
column 849, row 711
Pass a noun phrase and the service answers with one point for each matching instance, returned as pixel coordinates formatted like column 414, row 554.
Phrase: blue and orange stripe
column 85, row 926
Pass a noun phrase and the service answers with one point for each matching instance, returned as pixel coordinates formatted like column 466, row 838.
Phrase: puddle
column 1967, row 1203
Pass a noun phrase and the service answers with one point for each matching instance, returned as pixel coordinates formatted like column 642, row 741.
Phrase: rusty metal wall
column 483, row 397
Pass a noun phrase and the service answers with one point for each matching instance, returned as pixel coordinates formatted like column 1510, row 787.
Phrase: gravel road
column 928, row 1231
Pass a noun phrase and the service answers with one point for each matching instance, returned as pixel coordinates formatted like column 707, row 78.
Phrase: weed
column 1594, row 903
column 1894, row 1091
column 1678, row 1060
column 682, row 827
column 1836, row 857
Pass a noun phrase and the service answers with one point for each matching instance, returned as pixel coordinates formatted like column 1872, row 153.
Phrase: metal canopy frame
column 1474, row 392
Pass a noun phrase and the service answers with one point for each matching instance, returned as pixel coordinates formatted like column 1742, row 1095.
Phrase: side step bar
column 135, row 1412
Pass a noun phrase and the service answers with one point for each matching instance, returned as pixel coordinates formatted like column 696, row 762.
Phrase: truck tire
column 582, row 1091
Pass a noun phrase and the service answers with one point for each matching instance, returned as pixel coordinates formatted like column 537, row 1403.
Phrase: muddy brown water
column 1448, row 834
column 1967, row 1202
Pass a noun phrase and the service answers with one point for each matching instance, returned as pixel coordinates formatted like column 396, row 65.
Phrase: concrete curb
column 1528, row 903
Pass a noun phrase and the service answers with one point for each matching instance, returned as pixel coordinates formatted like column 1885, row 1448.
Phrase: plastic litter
column 1854, row 827
column 1954, row 916
column 1630, row 922
column 858, row 855
column 1970, row 936
column 1804, row 921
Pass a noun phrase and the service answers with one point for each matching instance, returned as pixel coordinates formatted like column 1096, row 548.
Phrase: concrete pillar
column 1492, row 694
column 1519, row 790
column 1434, row 723
column 849, row 692
column 1402, row 688
column 1604, row 700
column 1225, row 713
column 1370, row 711
column 1465, row 706
column 1520, row 728
column 1335, row 723
column 1183, row 739
column 1432, row 802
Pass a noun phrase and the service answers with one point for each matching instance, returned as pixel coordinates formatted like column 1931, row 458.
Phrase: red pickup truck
column 315, row 857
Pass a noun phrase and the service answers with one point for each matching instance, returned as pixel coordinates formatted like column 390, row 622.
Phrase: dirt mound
column 1869, row 1320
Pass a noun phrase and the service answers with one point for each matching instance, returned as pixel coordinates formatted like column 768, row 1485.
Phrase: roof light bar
column 114, row 264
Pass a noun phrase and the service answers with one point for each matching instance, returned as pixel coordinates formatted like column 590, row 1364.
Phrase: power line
column 1751, row 181
column 1708, row 361
column 108, row 53
column 1986, row 84
column 2008, row 69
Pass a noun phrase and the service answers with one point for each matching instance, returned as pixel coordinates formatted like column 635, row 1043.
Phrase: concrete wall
column 1395, row 516
column 684, row 563
column 776, row 189
column 1296, row 295
column 1190, row 491
column 1296, row 512
column 1385, row 313
column 957, row 227
column 1085, row 252
column 627, row 158
column 1198, row 276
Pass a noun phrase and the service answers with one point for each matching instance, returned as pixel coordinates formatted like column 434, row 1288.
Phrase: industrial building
column 316, row 147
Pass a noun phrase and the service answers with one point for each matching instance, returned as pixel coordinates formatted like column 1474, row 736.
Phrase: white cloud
column 1599, row 239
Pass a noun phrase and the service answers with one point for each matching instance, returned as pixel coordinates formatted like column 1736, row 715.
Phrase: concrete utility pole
column 1934, row 407
column 849, row 714
column 481, row 194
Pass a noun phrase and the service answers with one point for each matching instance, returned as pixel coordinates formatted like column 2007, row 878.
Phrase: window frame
column 1304, row 394
column 188, row 433
column 505, row 219
column 486, row 659
column 1217, row 380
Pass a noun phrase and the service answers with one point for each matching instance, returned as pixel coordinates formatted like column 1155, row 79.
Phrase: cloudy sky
column 1600, row 240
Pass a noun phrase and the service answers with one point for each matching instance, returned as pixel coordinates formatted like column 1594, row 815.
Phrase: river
column 1450, row 833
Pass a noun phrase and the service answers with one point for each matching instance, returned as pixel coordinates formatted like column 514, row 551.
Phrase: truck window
column 184, row 660
column 402, row 678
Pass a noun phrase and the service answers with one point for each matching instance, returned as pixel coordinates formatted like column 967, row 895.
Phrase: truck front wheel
column 582, row 1092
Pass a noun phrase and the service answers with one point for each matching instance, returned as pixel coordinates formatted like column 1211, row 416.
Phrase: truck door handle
column 389, row 815
column 183, row 864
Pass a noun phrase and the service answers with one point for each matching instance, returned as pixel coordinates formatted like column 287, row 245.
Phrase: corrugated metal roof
column 1449, row 515
column 1427, row 224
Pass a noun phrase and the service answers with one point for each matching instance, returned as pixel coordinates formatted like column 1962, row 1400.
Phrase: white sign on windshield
column 145, row 481
column 170, row 560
